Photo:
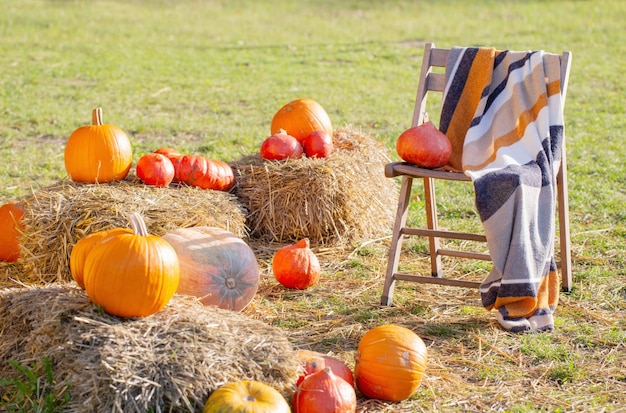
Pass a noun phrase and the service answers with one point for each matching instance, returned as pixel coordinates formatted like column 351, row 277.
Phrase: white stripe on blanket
column 512, row 152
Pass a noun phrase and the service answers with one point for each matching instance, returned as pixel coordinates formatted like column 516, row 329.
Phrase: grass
column 208, row 76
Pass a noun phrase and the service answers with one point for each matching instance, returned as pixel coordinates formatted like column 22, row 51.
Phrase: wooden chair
column 433, row 81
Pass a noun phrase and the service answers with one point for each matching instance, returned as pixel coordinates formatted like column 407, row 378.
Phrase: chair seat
column 394, row 169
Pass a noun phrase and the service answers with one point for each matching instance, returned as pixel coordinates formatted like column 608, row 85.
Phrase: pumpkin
column 83, row 247
column 246, row 396
column 390, row 363
column 132, row 275
column 216, row 266
column 424, row 146
column 155, row 169
column 198, row 171
column 11, row 226
column 296, row 266
column 98, row 153
column 280, row 146
column 319, row 144
column 324, row 392
column 314, row 361
column 175, row 157
column 300, row 117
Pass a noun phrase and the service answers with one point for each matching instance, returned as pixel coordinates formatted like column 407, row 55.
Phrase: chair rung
column 443, row 234
column 464, row 254
column 436, row 280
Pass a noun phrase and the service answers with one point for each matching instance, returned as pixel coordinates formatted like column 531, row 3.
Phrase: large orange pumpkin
column 300, row 117
column 246, row 396
column 390, row 363
column 98, row 153
column 132, row 275
column 296, row 266
column 324, row 392
column 216, row 266
column 83, row 247
column 11, row 225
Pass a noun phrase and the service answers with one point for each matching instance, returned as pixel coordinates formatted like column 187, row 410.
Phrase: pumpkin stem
column 96, row 117
column 138, row 224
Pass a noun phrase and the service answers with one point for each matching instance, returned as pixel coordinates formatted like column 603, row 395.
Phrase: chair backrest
column 431, row 81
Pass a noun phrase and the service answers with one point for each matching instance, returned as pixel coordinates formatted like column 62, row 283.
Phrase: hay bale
column 336, row 200
column 56, row 217
column 170, row 361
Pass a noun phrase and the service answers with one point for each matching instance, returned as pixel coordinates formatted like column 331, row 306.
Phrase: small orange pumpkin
column 390, row 363
column 246, row 396
column 280, row 146
column 324, row 392
column 314, row 361
column 83, row 247
column 296, row 266
column 11, row 226
column 300, row 117
column 98, row 153
column 216, row 266
column 155, row 169
column 132, row 275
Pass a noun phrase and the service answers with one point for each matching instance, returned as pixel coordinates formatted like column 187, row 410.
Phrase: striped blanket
column 506, row 125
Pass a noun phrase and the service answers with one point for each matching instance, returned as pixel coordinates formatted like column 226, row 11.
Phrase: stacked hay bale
column 336, row 200
column 56, row 217
column 170, row 361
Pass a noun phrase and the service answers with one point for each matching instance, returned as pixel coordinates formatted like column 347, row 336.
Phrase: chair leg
column 431, row 220
column 564, row 231
column 396, row 240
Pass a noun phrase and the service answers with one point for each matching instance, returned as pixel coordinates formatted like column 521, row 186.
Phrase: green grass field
column 207, row 77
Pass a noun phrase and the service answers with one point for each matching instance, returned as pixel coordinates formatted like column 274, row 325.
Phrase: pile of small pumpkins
column 131, row 273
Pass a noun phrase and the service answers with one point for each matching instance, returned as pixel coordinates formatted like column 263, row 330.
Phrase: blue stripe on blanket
column 456, row 88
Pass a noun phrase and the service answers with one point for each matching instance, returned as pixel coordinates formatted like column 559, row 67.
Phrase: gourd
column 132, row 275
column 280, row 146
column 246, row 396
column 83, row 247
column 314, row 361
column 300, row 117
column 198, row 171
column 155, row 169
column 319, row 144
column 98, row 153
column 11, row 226
column 324, row 392
column 216, row 266
column 296, row 266
column 390, row 363
column 424, row 146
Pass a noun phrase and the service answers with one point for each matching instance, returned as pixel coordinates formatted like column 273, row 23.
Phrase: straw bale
column 170, row 361
column 335, row 200
column 56, row 217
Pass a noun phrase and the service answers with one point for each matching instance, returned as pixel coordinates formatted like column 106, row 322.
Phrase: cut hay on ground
column 170, row 361
column 336, row 200
column 56, row 217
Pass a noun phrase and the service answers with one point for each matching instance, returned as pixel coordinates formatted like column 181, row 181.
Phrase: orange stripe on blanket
column 525, row 118
column 554, row 88
column 480, row 75
column 547, row 297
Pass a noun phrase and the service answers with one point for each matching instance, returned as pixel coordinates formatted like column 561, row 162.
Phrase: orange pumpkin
column 155, row 169
column 98, row 153
column 11, row 226
column 424, row 146
column 301, row 117
column 390, row 363
column 198, row 171
column 132, row 275
column 83, row 247
column 314, row 361
column 216, row 266
column 280, row 146
column 246, row 396
column 324, row 392
column 296, row 266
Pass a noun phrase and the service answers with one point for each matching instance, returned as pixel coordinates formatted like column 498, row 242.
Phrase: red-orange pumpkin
column 216, row 266
column 390, row 363
column 296, row 266
column 424, row 146
column 324, row 392
column 155, row 169
column 11, row 226
column 198, row 171
column 301, row 117
column 83, row 247
column 98, row 153
column 314, row 361
column 319, row 144
column 280, row 146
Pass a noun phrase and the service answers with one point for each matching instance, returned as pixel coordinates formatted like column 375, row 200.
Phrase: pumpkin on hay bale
column 170, row 361
column 335, row 200
column 56, row 217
